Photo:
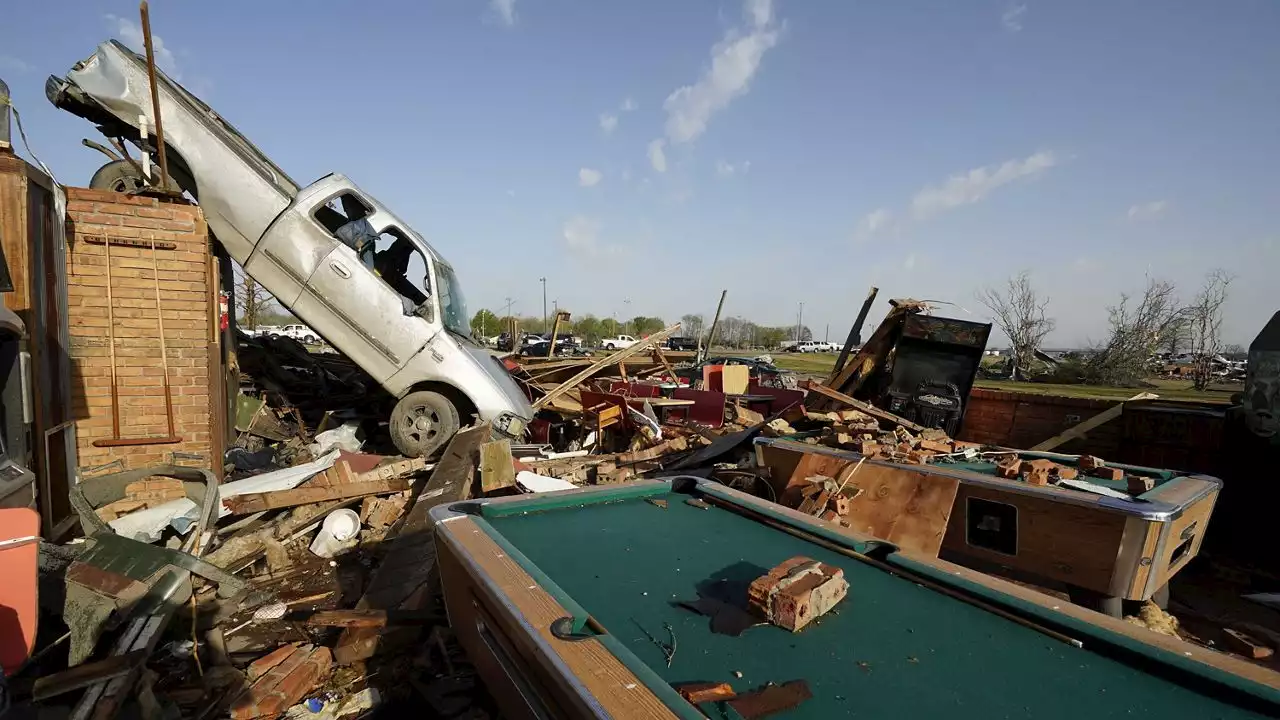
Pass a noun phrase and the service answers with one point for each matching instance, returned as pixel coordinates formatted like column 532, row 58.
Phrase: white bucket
column 337, row 532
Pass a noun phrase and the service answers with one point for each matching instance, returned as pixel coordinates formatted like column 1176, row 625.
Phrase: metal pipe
column 4, row 115
column 155, row 96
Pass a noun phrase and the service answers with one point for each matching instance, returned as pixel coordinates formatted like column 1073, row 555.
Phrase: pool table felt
column 892, row 648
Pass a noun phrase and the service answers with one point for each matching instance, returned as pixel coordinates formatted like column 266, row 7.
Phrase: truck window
column 400, row 264
column 345, row 216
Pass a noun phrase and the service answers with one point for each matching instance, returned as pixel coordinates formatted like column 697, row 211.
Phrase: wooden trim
column 1137, row 586
column 614, row 687
column 1198, row 514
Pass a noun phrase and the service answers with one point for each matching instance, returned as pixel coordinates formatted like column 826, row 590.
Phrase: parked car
column 618, row 342
column 342, row 262
column 682, row 343
column 301, row 333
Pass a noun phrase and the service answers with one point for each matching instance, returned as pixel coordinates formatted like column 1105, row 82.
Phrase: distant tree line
column 733, row 332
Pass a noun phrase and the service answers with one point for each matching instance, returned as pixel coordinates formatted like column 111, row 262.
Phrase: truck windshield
column 453, row 307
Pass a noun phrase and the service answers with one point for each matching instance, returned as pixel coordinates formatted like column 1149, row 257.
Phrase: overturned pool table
column 568, row 604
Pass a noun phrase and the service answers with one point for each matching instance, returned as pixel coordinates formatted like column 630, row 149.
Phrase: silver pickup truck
column 329, row 252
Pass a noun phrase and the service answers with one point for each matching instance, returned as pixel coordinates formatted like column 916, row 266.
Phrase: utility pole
column 799, row 321
column 626, row 321
column 543, row 280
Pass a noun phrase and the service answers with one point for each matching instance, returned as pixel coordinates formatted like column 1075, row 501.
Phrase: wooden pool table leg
column 1106, row 604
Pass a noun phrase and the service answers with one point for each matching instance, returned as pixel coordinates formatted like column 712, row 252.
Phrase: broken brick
column 1009, row 468
column 919, row 457
column 867, row 448
column 286, row 682
column 1042, row 465
column 829, row 515
column 936, row 434
column 1038, row 476
column 703, row 692
column 937, row 446
column 961, row 446
column 1062, row 472
column 1108, row 473
column 844, row 505
column 796, row 592
column 1089, row 463
column 1139, row 484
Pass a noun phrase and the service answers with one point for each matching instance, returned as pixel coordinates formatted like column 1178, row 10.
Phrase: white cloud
column 657, row 155
column 589, row 178
column 1012, row 18
column 1148, row 211
column 608, row 122
column 8, row 63
column 734, row 62
column 975, row 185
column 504, row 10
column 628, row 105
column 876, row 220
column 728, row 169
column 131, row 35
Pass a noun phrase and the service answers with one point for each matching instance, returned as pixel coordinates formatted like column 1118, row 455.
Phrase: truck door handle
column 338, row 268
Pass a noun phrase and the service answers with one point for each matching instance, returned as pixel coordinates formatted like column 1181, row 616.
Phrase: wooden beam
column 1101, row 418
column 402, row 581
column 865, row 407
column 595, row 367
column 496, row 469
column 370, row 618
column 259, row 502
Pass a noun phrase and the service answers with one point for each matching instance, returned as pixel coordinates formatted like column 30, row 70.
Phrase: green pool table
column 568, row 603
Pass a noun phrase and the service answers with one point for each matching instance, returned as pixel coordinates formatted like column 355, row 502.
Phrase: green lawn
column 819, row 365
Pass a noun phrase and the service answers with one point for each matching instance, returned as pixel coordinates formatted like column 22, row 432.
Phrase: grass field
column 820, row 364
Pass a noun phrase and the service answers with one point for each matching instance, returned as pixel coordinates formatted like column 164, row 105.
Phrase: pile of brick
column 829, row 498
column 857, row 431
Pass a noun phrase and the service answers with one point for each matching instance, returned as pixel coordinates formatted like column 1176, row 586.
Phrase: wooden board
column 1068, row 543
column 618, row 691
column 1198, row 516
column 909, row 508
column 258, row 502
column 496, row 469
column 400, row 580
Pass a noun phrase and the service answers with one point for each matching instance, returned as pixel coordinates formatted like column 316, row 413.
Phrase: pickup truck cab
column 342, row 262
column 301, row 333
column 619, row 342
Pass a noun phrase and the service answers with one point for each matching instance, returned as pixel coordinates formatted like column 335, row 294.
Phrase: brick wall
column 184, row 295
column 1021, row 420
column 1186, row 436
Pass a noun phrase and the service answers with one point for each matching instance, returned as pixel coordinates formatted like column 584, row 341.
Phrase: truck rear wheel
column 422, row 422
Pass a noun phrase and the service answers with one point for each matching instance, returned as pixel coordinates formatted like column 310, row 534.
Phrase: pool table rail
column 501, row 604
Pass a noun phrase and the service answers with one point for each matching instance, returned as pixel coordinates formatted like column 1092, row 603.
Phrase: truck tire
column 422, row 422
column 120, row 176
column 610, row 346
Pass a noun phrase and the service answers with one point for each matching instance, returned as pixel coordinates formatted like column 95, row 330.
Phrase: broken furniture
column 116, row 579
column 1084, row 534
column 568, row 605
column 918, row 366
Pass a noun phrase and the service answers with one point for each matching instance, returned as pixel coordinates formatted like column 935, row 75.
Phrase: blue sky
column 788, row 151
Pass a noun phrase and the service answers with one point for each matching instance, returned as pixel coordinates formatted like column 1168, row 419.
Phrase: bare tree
column 251, row 298
column 1204, row 325
column 1138, row 330
column 1020, row 313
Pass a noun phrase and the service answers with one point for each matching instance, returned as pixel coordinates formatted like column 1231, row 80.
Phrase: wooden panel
column 1198, row 515
column 13, row 231
column 808, row 465
column 1059, row 541
column 911, row 508
column 496, row 469
column 617, row 690
column 1137, row 585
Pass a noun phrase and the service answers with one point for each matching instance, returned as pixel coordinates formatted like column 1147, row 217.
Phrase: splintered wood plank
column 258, row 502
column 909, row 508
column 411, row 558
column 496, row 469
column 809, row 465
column 618, row 691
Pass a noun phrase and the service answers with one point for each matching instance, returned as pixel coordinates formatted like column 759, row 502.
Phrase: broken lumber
column 865, row 407
column 258, row 502
column 1101, row 418
column 370, row 618
column 595, row 367
column 496, row 468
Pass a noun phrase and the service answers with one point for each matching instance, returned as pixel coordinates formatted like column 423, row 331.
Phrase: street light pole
column 799, row 321
column 543, row 280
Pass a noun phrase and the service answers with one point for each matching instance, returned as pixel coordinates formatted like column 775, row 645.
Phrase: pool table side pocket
column 589, row 677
